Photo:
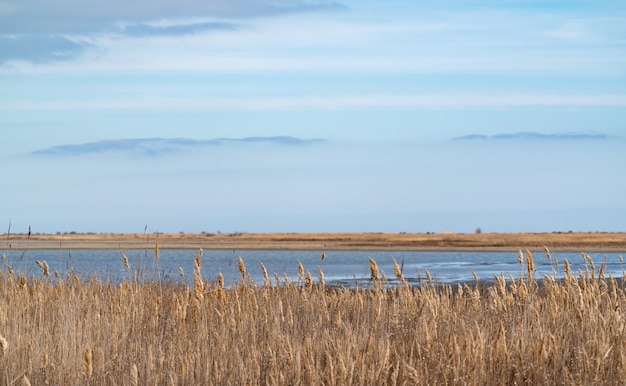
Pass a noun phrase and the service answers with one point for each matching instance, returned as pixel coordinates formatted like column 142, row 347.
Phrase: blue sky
column 294, row 116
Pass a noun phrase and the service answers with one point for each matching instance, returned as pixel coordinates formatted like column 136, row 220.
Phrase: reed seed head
column 198, row 286
column 242, row 267
column 126, row 264
column 197, row 263
column 373, row 269
column 45, row 360
column 266, row 276
column 530, row 264
column 338, row 321
column 397, row 271
column 221, row 294
column 4, row 346
column 548, row 255
column 428, row 276
column 134, row 375
column 300, row 269
column 308, row 281
column 88, row 362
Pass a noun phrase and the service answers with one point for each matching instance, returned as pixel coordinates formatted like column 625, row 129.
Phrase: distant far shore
column 569, row 241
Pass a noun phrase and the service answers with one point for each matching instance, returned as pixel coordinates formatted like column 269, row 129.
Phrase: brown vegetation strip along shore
column 579, row 241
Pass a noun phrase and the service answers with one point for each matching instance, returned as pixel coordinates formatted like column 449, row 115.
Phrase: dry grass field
column 522, row 330
column 327, row 241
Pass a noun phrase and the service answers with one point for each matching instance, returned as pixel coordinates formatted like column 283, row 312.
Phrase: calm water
column 349, row 268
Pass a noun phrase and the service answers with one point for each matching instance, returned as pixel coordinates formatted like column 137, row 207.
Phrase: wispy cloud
column 32, row 32
column 141, row 30
column 161, row 146
column 71, row 17
column 39, row 48
column 534, row 136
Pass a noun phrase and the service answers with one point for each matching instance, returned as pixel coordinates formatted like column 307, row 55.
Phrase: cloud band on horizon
column 158, row 146
column 534, row 136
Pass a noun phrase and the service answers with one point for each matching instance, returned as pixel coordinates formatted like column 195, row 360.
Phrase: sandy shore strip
column 570, row 241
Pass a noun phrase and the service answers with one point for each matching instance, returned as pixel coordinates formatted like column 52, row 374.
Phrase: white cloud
column 35, row 20
column 215, row 36
column 472, row 42
column 69, row 16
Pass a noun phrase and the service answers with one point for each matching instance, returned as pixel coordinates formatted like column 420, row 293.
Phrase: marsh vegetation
column 516, row 330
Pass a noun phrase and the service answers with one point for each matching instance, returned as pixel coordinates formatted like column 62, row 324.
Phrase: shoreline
column 575, row 241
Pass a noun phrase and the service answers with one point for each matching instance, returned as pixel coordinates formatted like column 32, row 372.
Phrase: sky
column 312, row 116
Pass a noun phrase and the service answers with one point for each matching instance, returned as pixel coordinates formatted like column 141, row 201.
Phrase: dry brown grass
column 585, row 241
column 514, row 331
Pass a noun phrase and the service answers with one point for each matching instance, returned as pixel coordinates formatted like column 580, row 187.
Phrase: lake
column 347, row 268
